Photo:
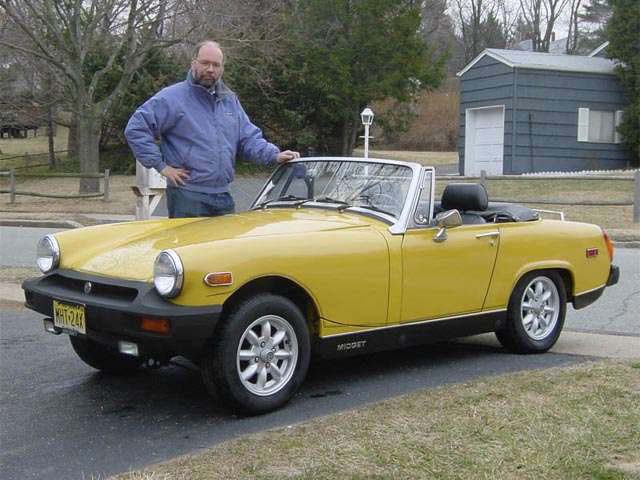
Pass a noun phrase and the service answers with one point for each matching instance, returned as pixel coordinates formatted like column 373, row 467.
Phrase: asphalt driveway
column 59, row 419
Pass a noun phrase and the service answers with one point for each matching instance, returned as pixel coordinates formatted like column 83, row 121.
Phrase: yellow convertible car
column 337, row 256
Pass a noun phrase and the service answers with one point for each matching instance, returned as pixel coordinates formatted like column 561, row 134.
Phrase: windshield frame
column 396, row 225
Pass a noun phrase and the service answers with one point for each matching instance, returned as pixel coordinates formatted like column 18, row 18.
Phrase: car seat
column 470, row 199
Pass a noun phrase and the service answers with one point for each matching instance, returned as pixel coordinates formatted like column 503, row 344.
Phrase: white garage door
column 484, row 142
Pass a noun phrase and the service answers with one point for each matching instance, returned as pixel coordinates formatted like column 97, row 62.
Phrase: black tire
column 518, row 338
column 223, row 363
column 103, row 358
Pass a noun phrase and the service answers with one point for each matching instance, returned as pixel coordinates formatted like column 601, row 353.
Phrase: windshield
column 379, row 187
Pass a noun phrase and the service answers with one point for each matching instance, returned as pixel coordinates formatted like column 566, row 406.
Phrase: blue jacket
column 187, row 126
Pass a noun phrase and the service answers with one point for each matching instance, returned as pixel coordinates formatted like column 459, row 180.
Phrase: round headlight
column 48, row 253
column 168, row 273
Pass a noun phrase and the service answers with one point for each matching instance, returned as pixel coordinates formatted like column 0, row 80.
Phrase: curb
column 41, row 223
column 572, row 342
column 626, row 243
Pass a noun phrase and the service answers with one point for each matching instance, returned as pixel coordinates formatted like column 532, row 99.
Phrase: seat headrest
column 465, row 196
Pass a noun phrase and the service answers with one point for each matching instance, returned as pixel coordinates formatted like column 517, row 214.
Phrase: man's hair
column 197, row 48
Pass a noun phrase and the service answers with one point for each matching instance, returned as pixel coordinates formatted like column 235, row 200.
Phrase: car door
column 451, row 277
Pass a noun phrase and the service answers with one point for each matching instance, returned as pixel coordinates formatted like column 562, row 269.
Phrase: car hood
column 128, row 250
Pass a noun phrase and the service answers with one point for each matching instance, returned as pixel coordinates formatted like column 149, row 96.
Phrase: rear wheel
column 536, row 313
column 260, row 355
column 103, row 358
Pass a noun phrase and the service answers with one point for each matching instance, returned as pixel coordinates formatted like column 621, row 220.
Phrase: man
column 191, row 133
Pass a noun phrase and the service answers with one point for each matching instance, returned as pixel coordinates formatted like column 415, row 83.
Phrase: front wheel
column 103, row 358
column 260, row 355
column 536, row 312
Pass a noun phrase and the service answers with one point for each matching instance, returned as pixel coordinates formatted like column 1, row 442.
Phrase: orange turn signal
column 218, row 278
column 609, row 244
column 155, row 325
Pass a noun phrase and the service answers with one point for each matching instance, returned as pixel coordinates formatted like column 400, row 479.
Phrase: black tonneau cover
column 500, row 212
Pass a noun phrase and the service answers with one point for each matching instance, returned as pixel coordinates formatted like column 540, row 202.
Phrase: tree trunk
column 50, row 135
column 355, row 124
column 89, row 129
column 72, row 139
column 346, row 134
column 331, row 142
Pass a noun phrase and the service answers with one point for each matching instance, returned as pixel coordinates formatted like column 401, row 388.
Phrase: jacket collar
column 219, row 89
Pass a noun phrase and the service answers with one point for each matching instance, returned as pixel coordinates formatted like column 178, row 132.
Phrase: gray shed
column 533, row 112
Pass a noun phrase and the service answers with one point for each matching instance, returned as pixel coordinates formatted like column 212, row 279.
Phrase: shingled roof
column 546, row 61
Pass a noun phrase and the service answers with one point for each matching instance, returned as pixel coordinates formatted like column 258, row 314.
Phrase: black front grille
column 98, row 289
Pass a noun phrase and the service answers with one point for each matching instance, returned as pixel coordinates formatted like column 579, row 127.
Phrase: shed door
column 484, row 143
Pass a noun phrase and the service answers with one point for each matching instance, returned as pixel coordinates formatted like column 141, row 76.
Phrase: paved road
column 18, row 245
column 62, row 420
column 617, row 310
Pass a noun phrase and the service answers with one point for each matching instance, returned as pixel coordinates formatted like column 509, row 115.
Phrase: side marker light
column 217, row 279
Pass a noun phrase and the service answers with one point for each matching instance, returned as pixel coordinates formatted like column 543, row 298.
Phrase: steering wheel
column 382, row 199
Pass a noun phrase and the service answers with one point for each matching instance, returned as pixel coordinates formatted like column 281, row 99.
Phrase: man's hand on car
column 177, row 176
column 287, row 155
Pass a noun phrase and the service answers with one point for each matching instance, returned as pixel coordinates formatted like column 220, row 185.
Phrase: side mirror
column 444, row 220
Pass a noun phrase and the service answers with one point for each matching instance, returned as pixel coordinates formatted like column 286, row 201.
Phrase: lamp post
column 367, row 119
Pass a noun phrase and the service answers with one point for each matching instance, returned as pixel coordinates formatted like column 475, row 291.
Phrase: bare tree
column 65, row 35
column 252, row 33
column 480, row 24
column 541, row 16
column 574, row 33
column 508, row 12
column 471, row 14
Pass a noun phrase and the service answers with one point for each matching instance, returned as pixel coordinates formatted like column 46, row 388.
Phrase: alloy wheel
column 540, row 308
column 267, row 355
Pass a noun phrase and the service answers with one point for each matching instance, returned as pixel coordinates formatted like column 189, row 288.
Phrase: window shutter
column 583, row 124
column 616, row 136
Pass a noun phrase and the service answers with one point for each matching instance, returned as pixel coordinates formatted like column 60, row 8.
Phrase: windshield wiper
column 376, row 209
column 326, row 199
column 286, row 198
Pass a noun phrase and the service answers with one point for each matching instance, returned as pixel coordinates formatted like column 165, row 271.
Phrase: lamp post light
column 367, row 119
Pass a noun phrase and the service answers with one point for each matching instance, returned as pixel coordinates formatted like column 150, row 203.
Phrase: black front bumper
column 586, row 299
column 114, row 309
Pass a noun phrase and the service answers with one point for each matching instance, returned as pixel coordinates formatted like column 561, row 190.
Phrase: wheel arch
column 563, row 269
column 278, row 285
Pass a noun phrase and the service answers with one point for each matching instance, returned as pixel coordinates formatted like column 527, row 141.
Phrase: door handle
column 488, row 234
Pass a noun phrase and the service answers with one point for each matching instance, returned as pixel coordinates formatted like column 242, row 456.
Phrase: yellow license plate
column 69, row 316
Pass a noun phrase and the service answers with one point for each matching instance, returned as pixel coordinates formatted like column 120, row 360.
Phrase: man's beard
column 205, row 82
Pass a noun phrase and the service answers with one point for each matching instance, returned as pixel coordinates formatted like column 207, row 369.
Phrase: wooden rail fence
column 13, row 192
column 483, row 179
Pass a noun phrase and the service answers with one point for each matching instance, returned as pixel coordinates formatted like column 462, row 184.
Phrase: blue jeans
column 183, row 203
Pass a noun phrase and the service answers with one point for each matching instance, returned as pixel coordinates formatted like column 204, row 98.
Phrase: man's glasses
column 208, row 64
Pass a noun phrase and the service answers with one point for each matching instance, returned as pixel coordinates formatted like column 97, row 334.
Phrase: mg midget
column 337, row 256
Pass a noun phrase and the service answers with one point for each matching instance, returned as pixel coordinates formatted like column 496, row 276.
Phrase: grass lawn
column 424, row 158
column 32, row 145
column 618, row 219
column 609, row 217
column 581, row 422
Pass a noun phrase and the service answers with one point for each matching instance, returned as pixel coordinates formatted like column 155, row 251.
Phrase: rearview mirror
column 444, row 220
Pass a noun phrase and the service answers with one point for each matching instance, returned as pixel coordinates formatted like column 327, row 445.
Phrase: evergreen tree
column 622, row 29
column 341, row 55
column 593, row 24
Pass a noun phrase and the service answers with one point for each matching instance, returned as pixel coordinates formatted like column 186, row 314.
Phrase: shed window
column 598, row 126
